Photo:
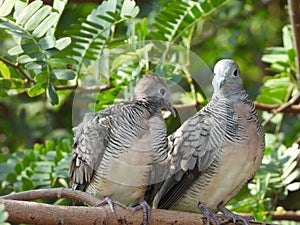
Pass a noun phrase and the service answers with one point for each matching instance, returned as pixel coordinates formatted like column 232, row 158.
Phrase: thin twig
column 88, row 89
column 294, row 14
column 18, row 67
column 281, row 108
column 294, row 109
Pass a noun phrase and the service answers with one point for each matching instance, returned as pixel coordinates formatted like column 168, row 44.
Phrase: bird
column 214, row 153
column 117, row 150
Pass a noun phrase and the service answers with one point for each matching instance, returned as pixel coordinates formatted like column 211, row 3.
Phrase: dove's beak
column 221, row 81
column 170, row 108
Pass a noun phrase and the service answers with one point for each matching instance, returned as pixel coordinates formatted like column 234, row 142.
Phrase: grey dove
column 215, row 152
column 116, row 150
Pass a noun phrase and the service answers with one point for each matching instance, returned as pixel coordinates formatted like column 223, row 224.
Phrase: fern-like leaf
column 94, row 33
column 179, row 16
column 33, row 26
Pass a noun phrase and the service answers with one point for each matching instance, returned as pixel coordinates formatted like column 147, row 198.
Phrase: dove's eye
column 235, row 72
column 162, row 91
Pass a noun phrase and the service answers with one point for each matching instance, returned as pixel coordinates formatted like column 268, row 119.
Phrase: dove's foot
column 142, row 204
column 111, row 204
column 233, row 216
column 209, row 214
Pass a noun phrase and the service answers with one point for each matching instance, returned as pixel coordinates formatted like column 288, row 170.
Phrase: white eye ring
column 162, row 91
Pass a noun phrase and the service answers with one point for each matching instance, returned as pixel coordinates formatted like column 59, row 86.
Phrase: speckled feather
column 216, row 151
column 115, row 150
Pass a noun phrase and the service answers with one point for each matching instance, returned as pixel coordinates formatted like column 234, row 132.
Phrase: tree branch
column 290, row 216
column 88, row 89
column 53, row 193
column 282, row 107
column 295, row 109
column 294, row 14
column 285, row 108
column 39, row 213
column 17, row 67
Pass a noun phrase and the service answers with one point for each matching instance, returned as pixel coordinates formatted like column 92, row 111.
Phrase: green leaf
column 52, row 95
column 37, row 18
column 34, row 65
column 4, row 70
column 3, row 215
column 272, row 58
column 62, row 43
column 43, row 28
column 17, row 50
column 293, row 186
column 47, row 43
column 26, row 58
column 42, row 176
column 41, row 77
column 59, row 5
column 6, row 7
column 61, row 63
column 92, row 35
column 129, row 9
column 287, row 37
column 5, row 23
column 45, row 165
column 63, row 74
column 29, row 10
column 36, row 90
column 178, row 17
column 291, row 54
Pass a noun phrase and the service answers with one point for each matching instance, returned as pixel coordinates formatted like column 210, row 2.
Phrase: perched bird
column 117, row 150
column 215, row 152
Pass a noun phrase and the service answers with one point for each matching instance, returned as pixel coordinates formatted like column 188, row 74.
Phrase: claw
column 207, row 213
column 233, row 216
column 146, row 211
column 111, row 204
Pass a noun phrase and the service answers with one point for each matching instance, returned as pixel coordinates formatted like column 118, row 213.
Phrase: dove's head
column 227, row 78
column 151, row 85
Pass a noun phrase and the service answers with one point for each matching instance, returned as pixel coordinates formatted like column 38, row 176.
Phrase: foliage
column 3, row 215
column 279, row 88
column 177, row 19
column 43, row 166
column 101, row 56
column 33, row 26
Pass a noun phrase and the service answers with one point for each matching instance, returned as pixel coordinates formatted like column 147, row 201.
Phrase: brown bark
column 44, row 214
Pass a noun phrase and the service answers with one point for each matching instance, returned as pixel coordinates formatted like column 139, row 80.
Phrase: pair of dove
column 118, row 151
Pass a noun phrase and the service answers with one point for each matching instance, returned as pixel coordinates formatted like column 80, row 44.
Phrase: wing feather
column 193, row 148
column 88, row 148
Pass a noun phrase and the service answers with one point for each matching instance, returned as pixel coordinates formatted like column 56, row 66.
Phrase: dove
column 214, row 153
column 116, row 150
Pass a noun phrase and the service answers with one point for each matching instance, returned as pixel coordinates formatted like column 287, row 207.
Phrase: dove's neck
column 233, row 93
column 152, row 103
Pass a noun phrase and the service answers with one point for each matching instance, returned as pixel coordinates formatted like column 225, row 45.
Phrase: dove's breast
column 129, row 170
column 234, row 166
